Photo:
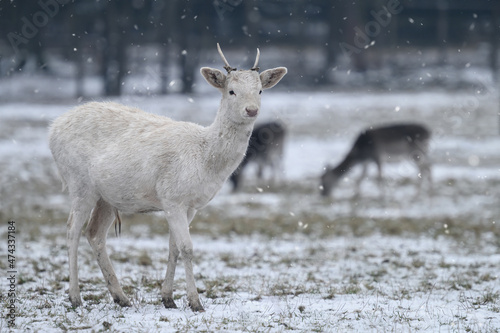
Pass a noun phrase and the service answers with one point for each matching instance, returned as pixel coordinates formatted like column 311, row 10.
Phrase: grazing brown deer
column 402, row 140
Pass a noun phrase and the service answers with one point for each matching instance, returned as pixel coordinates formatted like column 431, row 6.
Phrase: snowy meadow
column 278, row 257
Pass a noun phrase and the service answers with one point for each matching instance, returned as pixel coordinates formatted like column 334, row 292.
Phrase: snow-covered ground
column 255, row 284
column 280, row 258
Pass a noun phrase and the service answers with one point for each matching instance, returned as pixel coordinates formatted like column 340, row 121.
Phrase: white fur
column 116, row 158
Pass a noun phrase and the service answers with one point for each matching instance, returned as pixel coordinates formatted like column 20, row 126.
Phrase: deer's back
column 395, row 139
column 403, row 132
column 120, row 151
column 95, row 129
column 96, row 125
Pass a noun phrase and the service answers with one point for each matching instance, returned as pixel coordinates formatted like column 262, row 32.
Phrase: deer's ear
column 213, row 76
column 270, row 77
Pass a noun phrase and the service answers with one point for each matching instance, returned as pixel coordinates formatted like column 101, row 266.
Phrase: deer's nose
column 252, row 111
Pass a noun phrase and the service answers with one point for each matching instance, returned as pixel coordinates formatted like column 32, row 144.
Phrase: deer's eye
column 260, row 92
column 231, row 92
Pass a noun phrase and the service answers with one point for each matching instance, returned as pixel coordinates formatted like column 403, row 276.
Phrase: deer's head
column 241, row 89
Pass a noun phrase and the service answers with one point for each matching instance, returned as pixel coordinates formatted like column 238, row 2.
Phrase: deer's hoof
column 169, row 303
column 75, row 302
column 125, row 303
column 196, row 307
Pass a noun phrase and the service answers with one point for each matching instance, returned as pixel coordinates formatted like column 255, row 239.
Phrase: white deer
column 116, row 158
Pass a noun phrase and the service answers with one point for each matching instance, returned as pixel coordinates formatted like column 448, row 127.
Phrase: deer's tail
column 118, row 223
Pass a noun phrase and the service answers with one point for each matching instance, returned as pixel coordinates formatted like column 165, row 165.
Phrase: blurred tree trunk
column 335, row 17
column 188, row 63
column 80, row 76
column 190, row 41
column 346, row 21
column 300, row 40
column 113, row 69
column 74, row 27
column 442, row 29
column 166, row 38
column 334, row 37
column 494, row 37
column 252, row 20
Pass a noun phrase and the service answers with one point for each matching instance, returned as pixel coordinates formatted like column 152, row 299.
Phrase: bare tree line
column 98, row 37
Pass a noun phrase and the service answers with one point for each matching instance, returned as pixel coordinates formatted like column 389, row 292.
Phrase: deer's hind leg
column 421, row 160
column 102, row 218
column 80, row 211
column 364, row 171
column 81, row 206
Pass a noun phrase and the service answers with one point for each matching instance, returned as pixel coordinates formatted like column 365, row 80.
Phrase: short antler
column 227, row 67
column 255, row 68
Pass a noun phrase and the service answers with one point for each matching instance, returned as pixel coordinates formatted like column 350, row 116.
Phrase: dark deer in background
column 265, row 149
column 410, row 141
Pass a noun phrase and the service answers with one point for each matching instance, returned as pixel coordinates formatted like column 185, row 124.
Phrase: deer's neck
column 226, row 145
column 346, row 165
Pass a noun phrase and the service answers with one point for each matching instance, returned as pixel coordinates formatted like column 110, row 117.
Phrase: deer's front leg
column 179, row 229
column 360, row 179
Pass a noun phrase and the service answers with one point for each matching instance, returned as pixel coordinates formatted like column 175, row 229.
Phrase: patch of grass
column 217, row 288
column 460, row 283
column 351, row 289
column 39, row 265
column 231, row 261
column 285, row 288
column 93, row 298
column 378, row 273
column 425, row 286
column 90, row 284
column 495, row 309
column 45, row 304
column 444, row 264
column 40, row 290
column 486, row 298
column 151, row 284
column 487, row 277
column 144, row 259
column 129, row 289
column 56, row 284
column 121, row 257
column 417, row 263
column 405, row 293
column 22, row 279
